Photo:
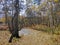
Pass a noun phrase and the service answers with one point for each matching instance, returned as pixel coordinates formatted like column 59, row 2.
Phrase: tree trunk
column 15, row 22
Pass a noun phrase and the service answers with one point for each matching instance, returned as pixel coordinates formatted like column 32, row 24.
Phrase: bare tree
column 15, row 21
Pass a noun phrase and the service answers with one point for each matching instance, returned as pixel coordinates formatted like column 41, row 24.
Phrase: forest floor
column 34, row 38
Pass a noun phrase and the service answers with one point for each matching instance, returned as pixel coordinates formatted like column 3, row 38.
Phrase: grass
column 41, row 35
column 35, row 38
column 44, row 28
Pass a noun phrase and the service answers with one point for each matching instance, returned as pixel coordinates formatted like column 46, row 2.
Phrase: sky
column 23, row 11
column 23, row 3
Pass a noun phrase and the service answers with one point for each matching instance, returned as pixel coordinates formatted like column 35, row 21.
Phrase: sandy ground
column 33, row 38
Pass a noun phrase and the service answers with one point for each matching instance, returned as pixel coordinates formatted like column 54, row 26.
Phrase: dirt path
column 34, row 37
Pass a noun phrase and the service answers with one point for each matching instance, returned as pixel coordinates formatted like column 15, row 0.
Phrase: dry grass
column 35, row 38
column 46, row 29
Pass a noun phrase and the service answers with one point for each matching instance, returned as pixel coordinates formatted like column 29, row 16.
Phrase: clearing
column 30, row 37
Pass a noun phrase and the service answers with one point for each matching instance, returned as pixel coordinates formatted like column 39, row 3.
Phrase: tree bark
column 15, row 22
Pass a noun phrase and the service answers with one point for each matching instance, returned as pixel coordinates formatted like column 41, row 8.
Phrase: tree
column 5, row 9
column 29, row 12
column 15, row 22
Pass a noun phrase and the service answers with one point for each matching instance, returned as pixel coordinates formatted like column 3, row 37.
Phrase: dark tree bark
column 6, row 11
column 15, row 28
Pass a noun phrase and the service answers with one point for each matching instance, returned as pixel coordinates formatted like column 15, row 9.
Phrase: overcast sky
column 22, row 11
